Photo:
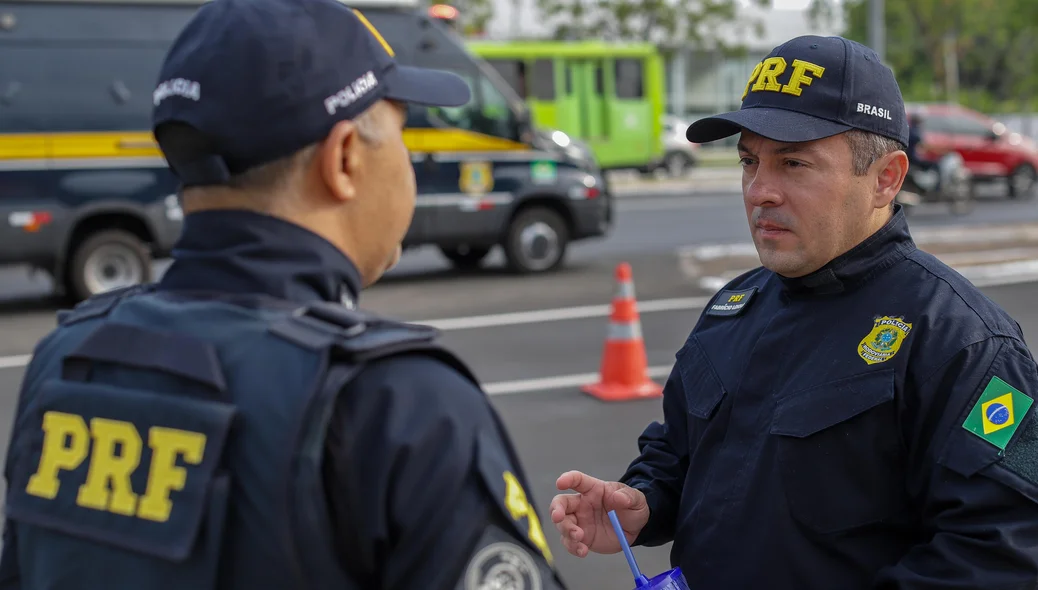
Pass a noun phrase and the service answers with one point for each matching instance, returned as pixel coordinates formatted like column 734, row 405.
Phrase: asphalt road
column 544, row 337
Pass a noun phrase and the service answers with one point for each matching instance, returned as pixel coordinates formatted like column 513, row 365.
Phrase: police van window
column 513, row 72
column 543, row 79
column 21, row 79
column 489, row 112
column 629, row 78
column 94, row 87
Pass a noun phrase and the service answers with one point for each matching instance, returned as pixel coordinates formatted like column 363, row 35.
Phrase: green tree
column 994, row 43
column 668, row 22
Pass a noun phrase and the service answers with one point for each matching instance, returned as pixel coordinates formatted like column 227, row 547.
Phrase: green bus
column 608, row 95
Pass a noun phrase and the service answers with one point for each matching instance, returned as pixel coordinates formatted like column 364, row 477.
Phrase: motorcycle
column 948, row 181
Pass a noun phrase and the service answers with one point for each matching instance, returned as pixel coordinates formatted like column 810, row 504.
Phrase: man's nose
column 762, row 188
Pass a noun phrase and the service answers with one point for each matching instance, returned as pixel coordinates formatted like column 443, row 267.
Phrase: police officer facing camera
column 853, row 414
column 240, row 424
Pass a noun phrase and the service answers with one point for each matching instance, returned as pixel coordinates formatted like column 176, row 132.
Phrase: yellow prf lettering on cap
column 764, row 77
column 374, row 31
column 798, row 77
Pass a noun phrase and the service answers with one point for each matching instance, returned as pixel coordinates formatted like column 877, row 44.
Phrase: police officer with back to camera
column 853, row 414
column 240, row 424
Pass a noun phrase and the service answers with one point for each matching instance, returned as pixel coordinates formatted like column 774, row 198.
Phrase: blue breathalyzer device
column 669, row 580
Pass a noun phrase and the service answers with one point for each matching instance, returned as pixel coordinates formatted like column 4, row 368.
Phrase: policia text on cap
column 240, row 424
column 852, row 415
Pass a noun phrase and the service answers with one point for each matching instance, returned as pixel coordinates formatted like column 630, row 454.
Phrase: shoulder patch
column 731, row 303
column 998, row 413
column 502, row 565
column 510, row 496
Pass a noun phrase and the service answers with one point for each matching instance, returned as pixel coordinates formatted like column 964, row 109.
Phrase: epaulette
column 358, row 334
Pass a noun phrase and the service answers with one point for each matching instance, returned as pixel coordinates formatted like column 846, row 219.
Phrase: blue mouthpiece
column 639, row 579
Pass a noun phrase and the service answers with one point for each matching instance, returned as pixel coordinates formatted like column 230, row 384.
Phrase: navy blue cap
column 261, row 79
column 810, row 88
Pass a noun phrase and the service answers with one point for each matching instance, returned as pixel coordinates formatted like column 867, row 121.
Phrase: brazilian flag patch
column 998, row 413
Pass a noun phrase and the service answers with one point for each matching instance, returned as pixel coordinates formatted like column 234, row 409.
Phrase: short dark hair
column 867, row 147
column 181, row 140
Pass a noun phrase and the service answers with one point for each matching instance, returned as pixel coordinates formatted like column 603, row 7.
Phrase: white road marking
column 1009, row 273
column 559, row 314
column 506, row 319
column 559, row 382
column 18, row 360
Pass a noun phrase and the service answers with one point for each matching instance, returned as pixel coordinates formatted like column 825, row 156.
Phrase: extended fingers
column 576, row 481
column 563, row 504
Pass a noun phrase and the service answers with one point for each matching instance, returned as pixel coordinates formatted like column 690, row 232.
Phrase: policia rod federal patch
column 731, row 303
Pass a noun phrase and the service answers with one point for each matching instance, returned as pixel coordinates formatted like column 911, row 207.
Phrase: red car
column 990, row 151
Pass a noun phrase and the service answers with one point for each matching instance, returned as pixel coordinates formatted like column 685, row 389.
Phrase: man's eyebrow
column 795, row 148
column 792, row 148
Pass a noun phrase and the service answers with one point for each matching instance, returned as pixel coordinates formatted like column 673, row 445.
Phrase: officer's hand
column 583, row 518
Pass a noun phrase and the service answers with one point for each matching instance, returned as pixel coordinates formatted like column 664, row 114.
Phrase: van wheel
column 536, row 241
column 466, row 257
column 108, row 260
column 1021, row 181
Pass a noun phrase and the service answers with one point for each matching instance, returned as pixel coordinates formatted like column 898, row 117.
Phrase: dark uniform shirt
column 848, row 430
column 422, row 484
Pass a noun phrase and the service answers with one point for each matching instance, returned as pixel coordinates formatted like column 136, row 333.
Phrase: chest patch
column 731, row 303
column 884, row 340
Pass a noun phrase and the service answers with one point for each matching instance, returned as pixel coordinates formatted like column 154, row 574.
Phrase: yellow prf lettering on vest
column 765, row 75
column 114, row 456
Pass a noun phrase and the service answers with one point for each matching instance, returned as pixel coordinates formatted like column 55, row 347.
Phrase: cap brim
column 775, row 124
column 434, row 88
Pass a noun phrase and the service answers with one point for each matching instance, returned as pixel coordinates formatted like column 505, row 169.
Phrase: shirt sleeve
column 660, row 468
column 424, row 488
column 972, row 440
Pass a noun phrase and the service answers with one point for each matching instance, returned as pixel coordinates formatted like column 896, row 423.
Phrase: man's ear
column 893, row 168
column 339, row 159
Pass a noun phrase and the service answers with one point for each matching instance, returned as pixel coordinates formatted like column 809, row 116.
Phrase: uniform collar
column 241, row 252
column 890, row 244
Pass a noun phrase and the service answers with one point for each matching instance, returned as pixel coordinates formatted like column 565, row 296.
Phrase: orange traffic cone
column 624, row 374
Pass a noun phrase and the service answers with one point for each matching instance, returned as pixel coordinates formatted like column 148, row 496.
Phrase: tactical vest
column 174, row 442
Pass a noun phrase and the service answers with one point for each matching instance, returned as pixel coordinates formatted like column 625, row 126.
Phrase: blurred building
column 703, row 81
